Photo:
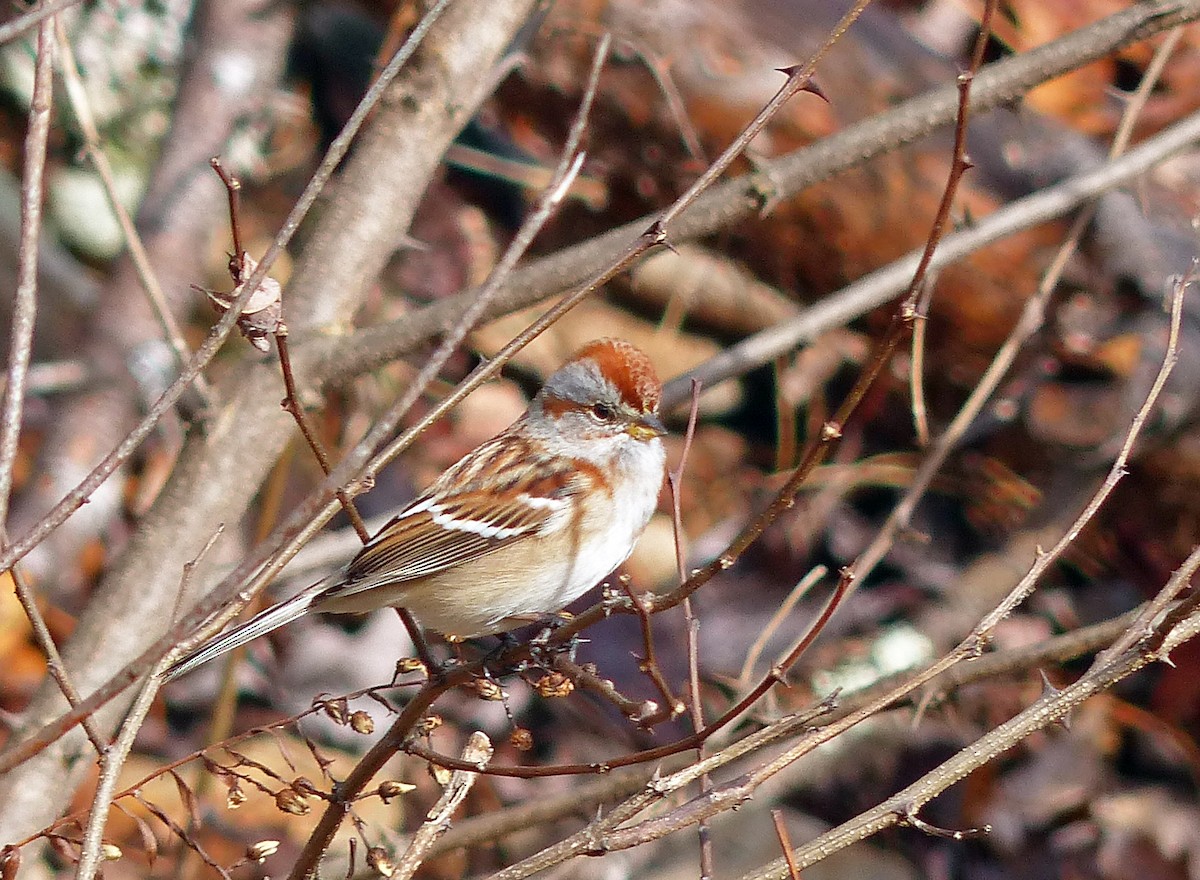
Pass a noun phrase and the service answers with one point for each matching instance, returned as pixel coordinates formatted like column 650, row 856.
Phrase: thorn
column 809, row 85
column 813, row 89
column 657, row 233
column 1049, row 690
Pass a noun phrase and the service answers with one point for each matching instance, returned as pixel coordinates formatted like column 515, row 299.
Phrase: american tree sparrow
column 521, row 526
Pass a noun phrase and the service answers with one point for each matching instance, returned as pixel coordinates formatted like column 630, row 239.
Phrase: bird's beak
column 646, row 427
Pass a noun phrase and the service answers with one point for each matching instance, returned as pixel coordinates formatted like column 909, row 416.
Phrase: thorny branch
column 998, row 83
column 611, row 833
column 20, row 346
column 1170, row 630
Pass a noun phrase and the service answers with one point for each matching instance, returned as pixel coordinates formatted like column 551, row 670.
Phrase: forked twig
column 1031, row 319
column 113, row 759
column 478, row 750
column 78, row 496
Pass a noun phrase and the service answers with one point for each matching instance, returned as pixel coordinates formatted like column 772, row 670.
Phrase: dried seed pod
column 10, row 862
column 336, row 709
column 554, row 684
column 521, row 739
column 288, row 800
column 380, row 861
column 406, row 665
column 235, row 797
column 362, row 722
column 429, row 724
column 392, row 788
column 304, row 785
column 485, row 689
column 261, row 317
column 261, row 851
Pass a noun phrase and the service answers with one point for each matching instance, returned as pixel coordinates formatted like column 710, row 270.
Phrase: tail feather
column 261, row 624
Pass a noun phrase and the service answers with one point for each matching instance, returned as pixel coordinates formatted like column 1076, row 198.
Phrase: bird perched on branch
column 519, row 527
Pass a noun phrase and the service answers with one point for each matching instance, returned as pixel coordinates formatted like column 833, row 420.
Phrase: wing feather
column 462, row 517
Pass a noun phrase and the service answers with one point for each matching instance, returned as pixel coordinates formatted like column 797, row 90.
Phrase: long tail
column 261, row 624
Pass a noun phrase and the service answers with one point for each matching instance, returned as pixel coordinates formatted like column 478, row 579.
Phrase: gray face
column 584, row 403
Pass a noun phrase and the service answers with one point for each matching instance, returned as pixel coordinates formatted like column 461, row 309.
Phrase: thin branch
column 1031, row 319
column 113, row 759
column 31, row 19
column 799, row 79
column 91, row 855
column 785, row 842
column 916, row 368
column 25, row 299
column 1051, row 707
column 882, row 285
column 78, row 496
column 20, row 345
column 798, row 592
column 690, row 621
column 292, row 404
column 999, row 84
column 478, row 750
column 93, row 147
column 648, row 662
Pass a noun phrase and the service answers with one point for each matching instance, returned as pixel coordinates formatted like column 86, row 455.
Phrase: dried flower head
column 288, row 800
column 379, row 860
column 486, row 689
column 554, row 684
column 338, row 709
column 261, row 851
column 362, row 722
column 392, row 788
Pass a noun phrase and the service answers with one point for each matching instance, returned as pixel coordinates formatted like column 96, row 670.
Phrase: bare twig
column 797, row 593
column 799, row 79
column 587, row 839
column 1051, row 707
column 25, row 300
column 92, row 145
column 648, row 662
column 113, row 759
column 20, row 345
column 785, row 842
column 916, row 369
column 29, row 20
column 998, row 84
column 1031, row 319
column 478, row 750
column 691, row 622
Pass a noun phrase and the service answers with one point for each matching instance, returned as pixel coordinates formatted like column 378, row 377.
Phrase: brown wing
column 457, row 520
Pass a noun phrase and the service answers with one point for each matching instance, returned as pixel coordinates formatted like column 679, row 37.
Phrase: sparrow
column 519, row 527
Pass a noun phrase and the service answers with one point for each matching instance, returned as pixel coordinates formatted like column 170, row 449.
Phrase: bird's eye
column 603, row 412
